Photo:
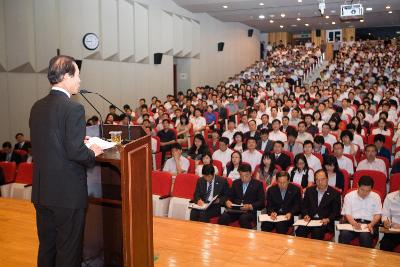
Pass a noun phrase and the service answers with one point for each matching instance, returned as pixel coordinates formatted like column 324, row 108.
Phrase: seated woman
column 319, row 146
column 183, row 129
column 199, row 148
column 335, row 175
column 206, row 159
column 238, row 143
column 109, row 119
column 267, row 170
column 347, row 138
column 231, row 169
column 300, row 173
column 382, row 129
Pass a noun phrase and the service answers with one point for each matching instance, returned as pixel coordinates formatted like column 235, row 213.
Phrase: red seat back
column 394, row 182
column 161, row 184
column 381, row 196
column 290, row 154
column 185, row 184
column 378, row 177
column 218, row 164
column 346, row 177
column 192, row 166
column 21, row 152
column 9, row 170
column 24, row 173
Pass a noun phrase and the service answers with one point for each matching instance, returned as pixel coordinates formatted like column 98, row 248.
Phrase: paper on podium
column 205, row 205
column 267, row 218
column 101, row 143
column 349, row 227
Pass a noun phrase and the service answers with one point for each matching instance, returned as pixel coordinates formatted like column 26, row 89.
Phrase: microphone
column 84, row 91
column 81, row 92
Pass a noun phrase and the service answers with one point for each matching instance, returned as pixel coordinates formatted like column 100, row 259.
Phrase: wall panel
column 90, row 22
column 187, row 37
column 195, row 38
column 141, row 32
column 167, row 33
column 2, row 38
column 125, row 26
column 109, row 28
column 178, row 34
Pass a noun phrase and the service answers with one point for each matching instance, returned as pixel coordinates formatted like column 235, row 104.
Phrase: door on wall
column 332, row 35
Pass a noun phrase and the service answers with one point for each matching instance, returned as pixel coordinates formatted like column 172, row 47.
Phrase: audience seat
column 157, row 157
column 22, row 187
column 9, row 170
column 161, row 190
column 346, row 176
column 388, row 141
column 192, row 166
column 182, row 193
column 378, row 177
column 394, row 182
column 387, row 164
column 218, row 164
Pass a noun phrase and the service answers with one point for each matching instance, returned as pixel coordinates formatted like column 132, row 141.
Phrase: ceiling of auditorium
column 248, row 12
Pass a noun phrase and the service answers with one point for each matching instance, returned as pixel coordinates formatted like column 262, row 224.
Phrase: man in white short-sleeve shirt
column 362, row 209
column 223, row 154
column 177, row 163
column 372, row 162
column 344, row 162
column 251, row 155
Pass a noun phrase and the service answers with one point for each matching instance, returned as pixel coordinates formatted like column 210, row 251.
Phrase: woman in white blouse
column 381, row 128
column 206, row 159
column 231, row 169
column 300, row 173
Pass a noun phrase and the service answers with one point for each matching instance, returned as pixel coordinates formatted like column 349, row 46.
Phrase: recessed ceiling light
column 333, row 11
column 283, row 15
column 333, row 23
column 369, row 9
column 361, row 20
column 306, row 24
column 272, row 16
column 387, row 7
column 271, row 21
column 225, row 6
column 261, row 4
column 261, row 17
column 390, row 12
column 298, row 19
column 293, row 25
column 327, row 17
column 299, row 1
column 281, row 26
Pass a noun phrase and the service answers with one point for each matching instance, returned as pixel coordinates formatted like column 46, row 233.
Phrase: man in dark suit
column 59, row 192
column 247, row 192
column 283, row 198
column 208, row 186
column 321, row 202
column 7, row 154
column 253, row 131
column 264, row 143
column 21, row 144
column 281, row 158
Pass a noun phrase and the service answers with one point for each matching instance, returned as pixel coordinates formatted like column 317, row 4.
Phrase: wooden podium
column 120, row 217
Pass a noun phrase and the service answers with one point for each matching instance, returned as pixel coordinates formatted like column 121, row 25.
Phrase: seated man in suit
column 21, row 144
column 362, row 206
column 283, row 198
column 207, row 187
column 246, row 191
column 281, row 158
column 264, row 143
column 321, row 202
column 291, row 145
column 8, row 154
column 253, row 132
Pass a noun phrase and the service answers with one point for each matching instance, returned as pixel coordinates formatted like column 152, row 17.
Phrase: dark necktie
column 290, row 147
column 208, row 190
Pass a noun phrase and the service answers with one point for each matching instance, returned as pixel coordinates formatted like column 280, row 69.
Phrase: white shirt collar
column 61, row 90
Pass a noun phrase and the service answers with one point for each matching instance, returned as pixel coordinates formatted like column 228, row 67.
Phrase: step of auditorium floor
column 315, row 74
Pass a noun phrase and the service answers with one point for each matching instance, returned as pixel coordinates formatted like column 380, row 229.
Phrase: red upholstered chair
column 394, row 182
column 397, row 249
column 192, row 166
column 290, row 154
column 346, row 177
column 319, row 156
column 218, row 164
column 388, row 141
column 22, row 153
column 9, row 170
column 378, row 177
column 161, row 190
column 182, row 193
column 22, row 187
column 387, row 164
column 328, row 147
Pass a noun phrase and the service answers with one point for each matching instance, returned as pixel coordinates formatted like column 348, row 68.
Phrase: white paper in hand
column 267, row 218
column 101, row 143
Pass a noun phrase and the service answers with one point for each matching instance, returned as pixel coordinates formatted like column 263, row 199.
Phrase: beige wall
column 348, row 33
column 275, row 37
column 122, row 67
column 315, row 39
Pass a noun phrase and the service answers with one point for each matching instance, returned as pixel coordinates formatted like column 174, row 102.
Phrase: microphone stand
column 98, row 112
column 129, row 117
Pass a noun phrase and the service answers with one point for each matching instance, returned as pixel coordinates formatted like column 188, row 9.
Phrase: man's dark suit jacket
column 57, row 127
column 25, row 146
column 268, row 147
column 291, row 203
column 248, row 134
column 328, row 208
column 283, row 161
column 14, row 157
column 254, row 195
column 221, row 188
column 262, row 126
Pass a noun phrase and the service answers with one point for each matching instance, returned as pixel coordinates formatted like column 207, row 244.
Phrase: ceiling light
column 293, row 25
column 306, row 24
column 271, row 21
column 361, row 20
column 261, row 4
column 390, row 12
column 327, row 17
column 333, row 11
column 387, row 7
column 281, row 26
column 283, row 15
column 298, row 19
column 261, row 17
column 272, row 16
column 369, row 9
column 225, row 6
column 299, row 1
column 333, row 23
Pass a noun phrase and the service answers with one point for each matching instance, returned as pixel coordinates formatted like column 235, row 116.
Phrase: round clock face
column 91, row 41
